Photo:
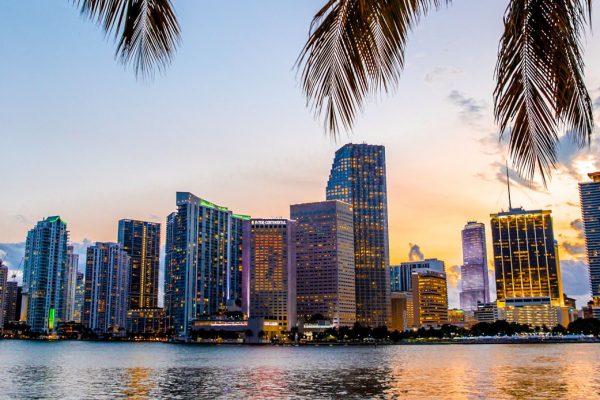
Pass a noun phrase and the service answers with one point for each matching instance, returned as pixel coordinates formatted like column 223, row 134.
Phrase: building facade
column 106, row 285
column 358, row 177
column 430, row 298
column 401, row 275
column 3, row 293
column 269, row 271
column 149, row 322
column 12, row 302
column 71, row 283
column 79, row 298
column 202, row 261
column 325, row 261
column 474, row 272
column 528, row 279
column 589, row 194
column 44, row 275
column 403, row 312
column 141, row 241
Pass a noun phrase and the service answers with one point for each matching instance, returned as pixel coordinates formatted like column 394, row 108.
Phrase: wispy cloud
column 471, row 109
column 415, row 254
column 439, row 74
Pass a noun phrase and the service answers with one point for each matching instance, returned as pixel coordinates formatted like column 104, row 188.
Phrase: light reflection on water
column 153, row 370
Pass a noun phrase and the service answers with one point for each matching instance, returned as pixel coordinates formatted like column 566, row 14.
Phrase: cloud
column 515, row 178
column 22, row 219
column 11, row 255
column 576, row 281
column 577, row 225
column 439, row 74
column 470, row 108
column 573, row 249
column 597, row 103
column 415, row 253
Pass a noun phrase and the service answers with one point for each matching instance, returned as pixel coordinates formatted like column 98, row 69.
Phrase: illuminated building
column 589, row 193
column 44, row 275
column 457, row 317
column 79, row 297
column 269, row 271
column 146, row 321
column 3, row 293
column 71, row 283
column 487, row 312
column 106, row 285
column 202, row 261
column 141, row 241
column 403, row 313
column 401, row 275
column 528, row 280
column 12, row 303
column 358, row 177
column 430, row 298
column 325, row 261
column 474, row 271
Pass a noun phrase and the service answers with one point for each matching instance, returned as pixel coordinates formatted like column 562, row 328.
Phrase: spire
column 508, row 184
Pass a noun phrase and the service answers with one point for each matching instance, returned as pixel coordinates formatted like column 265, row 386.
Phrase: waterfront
column 90, row 370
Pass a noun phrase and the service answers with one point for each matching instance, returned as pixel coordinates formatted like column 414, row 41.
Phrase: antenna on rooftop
column 508, row 184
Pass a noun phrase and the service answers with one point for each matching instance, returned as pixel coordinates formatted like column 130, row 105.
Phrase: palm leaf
column 147, row 31
column 355, row 48
column 540, row 88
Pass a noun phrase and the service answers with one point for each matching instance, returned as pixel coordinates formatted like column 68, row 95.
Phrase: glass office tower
column 589, row 193
column 141, row 241
column 358, row 177
column 474, row 271
column 325, row 261
column 44, row 274
column 202, row 261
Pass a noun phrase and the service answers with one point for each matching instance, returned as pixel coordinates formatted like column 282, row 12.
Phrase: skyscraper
column 325, row 261
column 474, row 271
column 589, row 193
column 71, row 283
column 202, row 261
column 79, row 298
column 44, row 274
column 528, row 280
column 3, row 292
column 141, row 241
column 269, row 271
column 401, row 275
column 430, row 298
column 106, row 284
column 12, row 303
column 358, row 177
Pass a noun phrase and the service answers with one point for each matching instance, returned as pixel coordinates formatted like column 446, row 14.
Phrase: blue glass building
column 358, row 177
column 589, row 193
column 401, row 275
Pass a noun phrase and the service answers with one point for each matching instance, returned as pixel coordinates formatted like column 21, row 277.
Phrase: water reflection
column 151, row 371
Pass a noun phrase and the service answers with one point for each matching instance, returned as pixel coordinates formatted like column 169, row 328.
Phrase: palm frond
column 147, row 31
column 539, row 81
column 355, row 48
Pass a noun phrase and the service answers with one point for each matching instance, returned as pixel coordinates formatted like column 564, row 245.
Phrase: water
column 85, row 370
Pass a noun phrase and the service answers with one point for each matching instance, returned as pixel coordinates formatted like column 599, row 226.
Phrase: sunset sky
column 81, row 138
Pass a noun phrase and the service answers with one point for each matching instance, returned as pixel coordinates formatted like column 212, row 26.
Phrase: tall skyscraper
column 474, row 272
column 3, row 292
column 203, row 256
column 79, row 298
column 269, row 271
column 528, row 280
column 44, row 274
column 325, row 261
column 106, row 285
column 401, row 275
column 589, row 193
column 12, row 303
column 141, row 241
column 358, row 177
column 430, row 298
column 71, row 283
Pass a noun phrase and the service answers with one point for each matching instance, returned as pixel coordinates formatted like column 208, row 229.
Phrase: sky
column 227, row 121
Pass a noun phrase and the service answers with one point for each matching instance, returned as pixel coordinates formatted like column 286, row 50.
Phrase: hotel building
column 325, row 261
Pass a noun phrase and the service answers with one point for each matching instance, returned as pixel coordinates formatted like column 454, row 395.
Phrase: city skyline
column 191, row 98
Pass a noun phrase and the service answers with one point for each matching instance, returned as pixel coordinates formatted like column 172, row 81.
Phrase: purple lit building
column 474, row 272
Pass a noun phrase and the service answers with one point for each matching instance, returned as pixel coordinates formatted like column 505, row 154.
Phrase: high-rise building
column 403, row 312
column 203, row 261
column 474, row 272
column 358, row 177
column 269, row 271
column 401, row 275
column 141, row 241
column 12, row 303
column 325, row 261
column 430, row 298
column 106, row 284
column 528, row 280
column 589, row 193
column 71, row 283
column 44, row 275
column 3, row 292
column 79, row 298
